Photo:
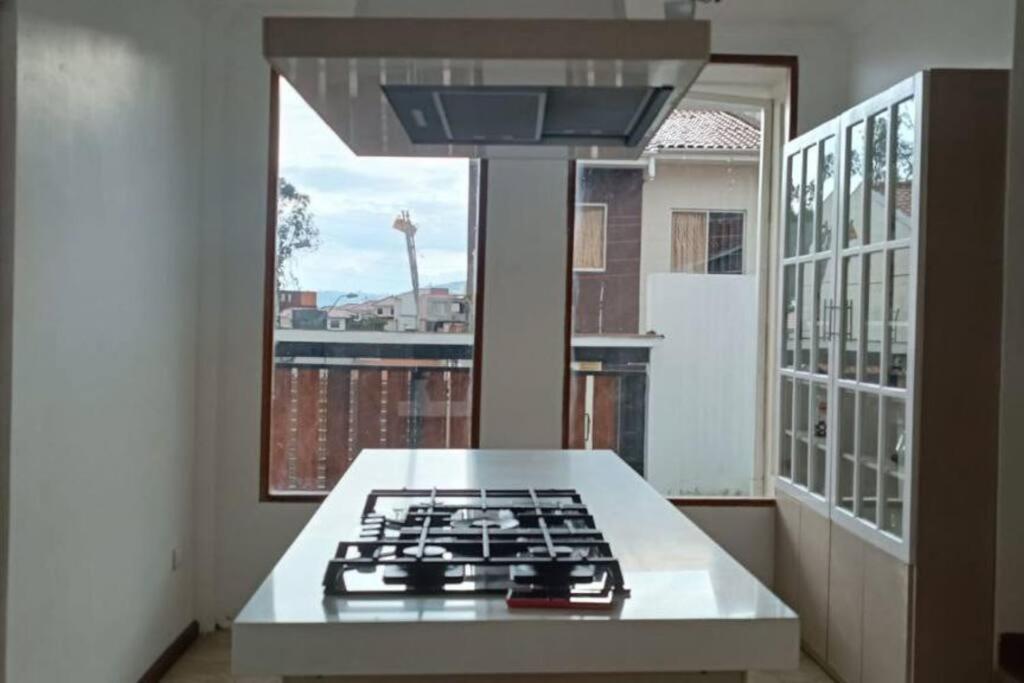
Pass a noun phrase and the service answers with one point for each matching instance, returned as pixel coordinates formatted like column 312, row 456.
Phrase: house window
column 707, row 242
column 589, row 237
column 346, row 241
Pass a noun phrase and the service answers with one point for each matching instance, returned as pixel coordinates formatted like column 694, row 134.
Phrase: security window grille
column 707, row 242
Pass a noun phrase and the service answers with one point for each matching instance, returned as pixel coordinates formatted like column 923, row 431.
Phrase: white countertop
column 691, row 608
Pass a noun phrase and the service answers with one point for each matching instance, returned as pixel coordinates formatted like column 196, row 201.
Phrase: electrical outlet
column 175, row 559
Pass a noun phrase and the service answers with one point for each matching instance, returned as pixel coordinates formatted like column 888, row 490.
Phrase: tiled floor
column 209, row 661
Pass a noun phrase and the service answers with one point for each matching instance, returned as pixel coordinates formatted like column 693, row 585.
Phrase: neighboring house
column 440, row 311
column 688, row 205
column 290, row 298
column 665, row 244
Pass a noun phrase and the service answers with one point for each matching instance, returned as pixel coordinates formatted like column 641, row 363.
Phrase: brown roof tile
column 704, row 129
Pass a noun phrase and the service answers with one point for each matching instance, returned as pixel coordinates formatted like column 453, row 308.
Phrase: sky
column 355, row 200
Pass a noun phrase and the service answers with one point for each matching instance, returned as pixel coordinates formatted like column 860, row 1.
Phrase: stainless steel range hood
column 569, row 88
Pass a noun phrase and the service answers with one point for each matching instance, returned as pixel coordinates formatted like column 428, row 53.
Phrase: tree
column 296, row 230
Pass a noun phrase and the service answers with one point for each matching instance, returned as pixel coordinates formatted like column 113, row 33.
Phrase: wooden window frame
column 604, row 236
column 790, row 63
column 707, row 240
column 266, row 495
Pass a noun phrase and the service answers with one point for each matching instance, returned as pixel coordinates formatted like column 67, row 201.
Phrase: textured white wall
column 104, row 346
column 894, row 39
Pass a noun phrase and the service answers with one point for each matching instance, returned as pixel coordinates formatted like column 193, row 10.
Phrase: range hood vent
column 495, row 115
column 487, row 87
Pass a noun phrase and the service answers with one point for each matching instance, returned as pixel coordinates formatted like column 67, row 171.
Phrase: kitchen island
column 693, row 613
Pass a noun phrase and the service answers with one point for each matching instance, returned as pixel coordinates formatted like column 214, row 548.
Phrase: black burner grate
column 541, row 547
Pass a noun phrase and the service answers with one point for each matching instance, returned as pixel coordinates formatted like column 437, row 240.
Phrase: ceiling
column 839, row 13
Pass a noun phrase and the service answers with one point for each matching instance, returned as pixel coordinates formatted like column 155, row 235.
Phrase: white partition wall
column 523, row 355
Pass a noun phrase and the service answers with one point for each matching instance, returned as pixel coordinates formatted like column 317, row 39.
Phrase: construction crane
column 405, row 225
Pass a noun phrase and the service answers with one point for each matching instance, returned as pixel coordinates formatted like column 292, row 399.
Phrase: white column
column 525, row 264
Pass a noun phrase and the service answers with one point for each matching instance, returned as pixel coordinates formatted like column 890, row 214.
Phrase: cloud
column 355, row 200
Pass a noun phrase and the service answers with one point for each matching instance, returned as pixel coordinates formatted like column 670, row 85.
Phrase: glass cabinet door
column 809, row 314
column 893, row 461
column 818, row 465
column 847, row 279
column 875, row 285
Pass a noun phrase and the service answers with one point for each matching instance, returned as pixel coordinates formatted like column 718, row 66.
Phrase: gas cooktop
column 538, row 547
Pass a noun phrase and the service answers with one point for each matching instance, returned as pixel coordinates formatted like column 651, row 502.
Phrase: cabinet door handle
column 829, row 321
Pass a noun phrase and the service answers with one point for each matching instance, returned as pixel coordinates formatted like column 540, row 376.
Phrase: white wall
column 238, row 539
column 823, row 51
column 523, row 360
column 893, row 39
column 1010, row 548
column 104, row 313
column 703, row 383
column 7, row 80
column 745, row 532
column 698, row 186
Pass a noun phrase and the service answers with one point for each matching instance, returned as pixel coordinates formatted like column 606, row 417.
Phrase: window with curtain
column 707, row 242
column 589, row 237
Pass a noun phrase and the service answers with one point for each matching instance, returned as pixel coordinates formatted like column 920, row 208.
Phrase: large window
column 665, row 352
column 373, row 313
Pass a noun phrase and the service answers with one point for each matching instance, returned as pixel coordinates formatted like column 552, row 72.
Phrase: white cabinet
column 887, row 373
column 848, row 267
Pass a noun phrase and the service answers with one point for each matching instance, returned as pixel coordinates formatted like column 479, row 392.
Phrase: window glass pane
column 874, row 310
column 878, row 182
column 689, row 242
column 823, row 294
column 367, row 246
column 867, row 472
column 807, row 220
column 827, row 203
column 819, row 438
column 846, row 448
column 786, row 429
column 906, row 113
column 894, row 458
column 801, row 432
column 664, row 352
column 806, row 315
column 850, row 315
column 725, row 243
column 789, row 316
column 589, row 237
column 899, row 317
column 855, row 185
column 795, row 173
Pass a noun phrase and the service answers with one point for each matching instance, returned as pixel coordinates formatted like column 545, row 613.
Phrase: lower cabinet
column 852, row 598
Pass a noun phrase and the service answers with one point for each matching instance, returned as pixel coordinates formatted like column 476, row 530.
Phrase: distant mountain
column 331, row 297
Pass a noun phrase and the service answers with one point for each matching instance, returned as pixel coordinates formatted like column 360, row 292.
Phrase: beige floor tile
column 209, row 661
